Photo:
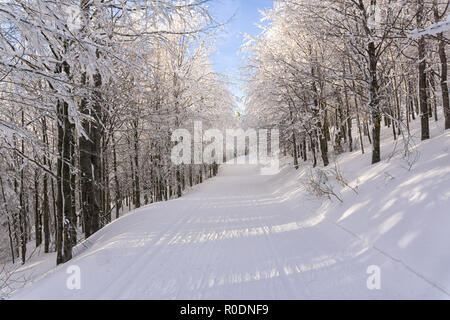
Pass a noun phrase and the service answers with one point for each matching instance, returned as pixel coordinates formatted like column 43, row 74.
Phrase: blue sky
column 244, row 16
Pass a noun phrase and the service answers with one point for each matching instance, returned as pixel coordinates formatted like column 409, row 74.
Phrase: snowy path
column 238, row 236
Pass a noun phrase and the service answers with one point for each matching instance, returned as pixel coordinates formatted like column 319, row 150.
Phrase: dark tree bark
column 423, row 86
column 72, row 220
column 358, row 118
column 313, row 149
column 322, row 123
column 45, row 201
column 16, row 224
column 444, row 68
column 10, row 237
column 22, row 212
column 294, row 142
column 37, row 211
column 305, row 155
column 137, row 190
column 118, row 199
column 348, row 114
column 90, row 166
column 374, row 104
column 444, row 80
column 62, row 181
column 65, row 193
column 66, row 178
column 178, row 178
column 191, row 180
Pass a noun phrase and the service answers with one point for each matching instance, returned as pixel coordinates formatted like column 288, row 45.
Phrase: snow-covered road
column 237, row 236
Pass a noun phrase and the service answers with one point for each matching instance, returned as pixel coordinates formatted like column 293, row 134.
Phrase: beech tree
column 320, row 68
column 90, row 92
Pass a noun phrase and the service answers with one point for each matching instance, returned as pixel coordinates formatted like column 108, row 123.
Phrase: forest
column 324, row 67
column 92, row 90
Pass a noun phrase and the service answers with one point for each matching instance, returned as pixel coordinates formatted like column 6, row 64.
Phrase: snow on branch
column 433, row 30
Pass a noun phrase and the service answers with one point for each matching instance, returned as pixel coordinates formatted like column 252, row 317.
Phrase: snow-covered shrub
column 317, row 183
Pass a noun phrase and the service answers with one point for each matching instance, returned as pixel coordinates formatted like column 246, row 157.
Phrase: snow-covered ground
column 242, row 235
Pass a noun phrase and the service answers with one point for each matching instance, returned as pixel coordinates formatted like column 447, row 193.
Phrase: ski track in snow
column 240, row 235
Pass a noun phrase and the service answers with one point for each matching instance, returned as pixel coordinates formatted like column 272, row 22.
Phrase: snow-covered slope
column 403, row 212
column 246, row 236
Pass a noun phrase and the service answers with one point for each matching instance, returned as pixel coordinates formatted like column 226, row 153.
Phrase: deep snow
column 242, row 235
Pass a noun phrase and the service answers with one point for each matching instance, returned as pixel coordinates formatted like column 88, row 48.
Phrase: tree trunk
column 444, row 80
column 313, row 149
column 444, row 71
column 37, row 212
column 90, row 162
column 178, row 178
column 73, row 208
column 374, row 104
column 294, row 143
column 423, row 96
column 22, row 212
column 11, row 244
column 118, row 201
column 61, row 165
column 45, row 202
column 137, row 192
column 322, row 123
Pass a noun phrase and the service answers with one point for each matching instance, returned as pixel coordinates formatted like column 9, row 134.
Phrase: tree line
column 90, row 92
column 325, row 70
